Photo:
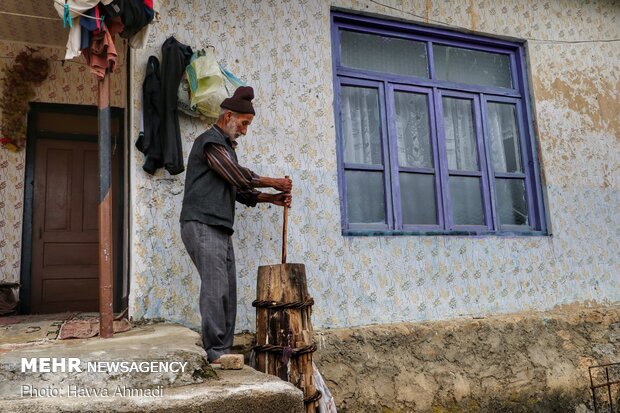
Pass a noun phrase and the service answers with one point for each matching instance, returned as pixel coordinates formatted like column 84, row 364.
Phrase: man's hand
column 280, row 199
column 282, row 184
column 279, row 184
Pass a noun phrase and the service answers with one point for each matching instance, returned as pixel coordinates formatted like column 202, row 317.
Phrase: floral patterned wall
column 70, row 83
column 282, row 48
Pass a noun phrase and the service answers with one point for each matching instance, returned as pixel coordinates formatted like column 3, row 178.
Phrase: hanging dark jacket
column 175, row 57
column 150, row 143
column 135, row 14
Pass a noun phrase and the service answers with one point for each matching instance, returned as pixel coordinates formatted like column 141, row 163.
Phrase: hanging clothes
column 137, row 32
column 135, row 14
column 150, row 142
column 175, row 57
column 75, row 7
column 89, row 26
column 138, row 40
column 101, row 54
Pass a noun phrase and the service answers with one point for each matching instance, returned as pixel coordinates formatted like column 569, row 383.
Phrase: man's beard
column 231, row 129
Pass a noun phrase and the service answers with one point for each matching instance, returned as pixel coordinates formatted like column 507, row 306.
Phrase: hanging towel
column 101, row 55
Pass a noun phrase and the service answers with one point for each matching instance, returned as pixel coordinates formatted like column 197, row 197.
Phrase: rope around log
column 270, row 348
column 308, row 302
column 315, row 397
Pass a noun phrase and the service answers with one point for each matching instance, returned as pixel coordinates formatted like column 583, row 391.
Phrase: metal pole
column 105, row 210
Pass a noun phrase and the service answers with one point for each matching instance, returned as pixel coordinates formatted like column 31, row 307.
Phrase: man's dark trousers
column 211, row 250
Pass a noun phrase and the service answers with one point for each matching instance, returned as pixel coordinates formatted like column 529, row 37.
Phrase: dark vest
column 208, row 197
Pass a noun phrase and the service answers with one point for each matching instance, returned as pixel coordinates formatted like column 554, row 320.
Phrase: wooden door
column 65, row 228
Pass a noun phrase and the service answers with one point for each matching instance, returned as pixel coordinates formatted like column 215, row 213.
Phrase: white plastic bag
column 206, row 83
column 326, row 403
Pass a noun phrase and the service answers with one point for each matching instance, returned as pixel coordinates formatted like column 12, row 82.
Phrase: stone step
column 236, row 391
column 166, row 355
column 197, row 387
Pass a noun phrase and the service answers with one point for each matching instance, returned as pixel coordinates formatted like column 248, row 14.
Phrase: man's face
column 237, row 125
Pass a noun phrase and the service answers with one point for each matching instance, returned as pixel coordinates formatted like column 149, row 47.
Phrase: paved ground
column 117, row 374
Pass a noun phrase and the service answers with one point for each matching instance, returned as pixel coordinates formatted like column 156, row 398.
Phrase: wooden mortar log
column 287, row 324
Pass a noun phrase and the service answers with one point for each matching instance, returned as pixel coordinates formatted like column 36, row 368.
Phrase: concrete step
column 166, row 355
column 235, row 391
column 124, row 374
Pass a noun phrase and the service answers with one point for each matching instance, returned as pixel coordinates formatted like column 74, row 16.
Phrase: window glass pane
column 466, row 197
column 511, row 203
column 383, row 54
column 412, row 127
column 365, row 197
column 458, row 119
column 504, row 136
column 417, row 193
column 474, row 67
column 361, row 125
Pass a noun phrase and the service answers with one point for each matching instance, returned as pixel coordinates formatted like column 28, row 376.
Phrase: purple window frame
column 387, row 84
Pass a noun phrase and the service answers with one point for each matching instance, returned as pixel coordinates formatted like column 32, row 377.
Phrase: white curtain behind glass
column 412, row 128
column 506, row 157
column 504, row 138
column 462, row 155
column 459, row 131
column 361, row 126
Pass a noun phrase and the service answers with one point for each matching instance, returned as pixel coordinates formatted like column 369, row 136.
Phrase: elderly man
column 214, row 181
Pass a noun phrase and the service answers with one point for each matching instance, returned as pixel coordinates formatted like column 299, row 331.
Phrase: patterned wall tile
column 283, row 49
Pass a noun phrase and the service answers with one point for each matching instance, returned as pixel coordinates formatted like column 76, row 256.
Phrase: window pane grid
column 506, row 150
column 413, row 149
column 367, row 171
column 466, row 193
column 430, row 43
column 463, row 175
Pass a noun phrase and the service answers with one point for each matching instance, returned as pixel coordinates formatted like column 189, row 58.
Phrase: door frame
column 121, row 272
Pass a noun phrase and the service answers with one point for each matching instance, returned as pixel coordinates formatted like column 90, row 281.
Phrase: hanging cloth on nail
column 175, row 57
column 149, row 142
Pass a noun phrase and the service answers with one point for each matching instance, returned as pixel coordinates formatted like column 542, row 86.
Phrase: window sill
column 382, row 233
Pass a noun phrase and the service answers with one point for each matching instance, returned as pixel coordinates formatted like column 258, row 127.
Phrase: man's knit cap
column 241, row 100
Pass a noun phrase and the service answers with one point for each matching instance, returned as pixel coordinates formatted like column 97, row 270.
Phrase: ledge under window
column 373, row 233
